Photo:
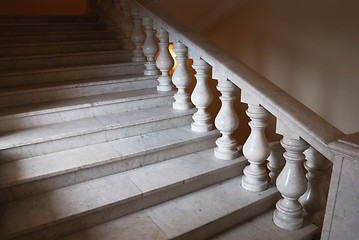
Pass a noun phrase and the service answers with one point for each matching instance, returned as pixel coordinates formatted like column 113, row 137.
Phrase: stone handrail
column 304, row 122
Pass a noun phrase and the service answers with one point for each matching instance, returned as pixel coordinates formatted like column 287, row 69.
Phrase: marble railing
column 307, row 138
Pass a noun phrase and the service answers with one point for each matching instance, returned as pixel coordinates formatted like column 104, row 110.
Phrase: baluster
column 201, row 97
column 291, row 182
column 137, row 36
column 126, row 25
column 226, row 120
column 164, row 62
column 150, row 48
column 181, row 77
column 256, row 148
column 276, row 161
column 314, row 199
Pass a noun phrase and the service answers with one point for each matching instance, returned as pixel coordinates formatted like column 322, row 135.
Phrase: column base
column 201, row 127
column 225, row 155
column 254, row 186
column 287, row 221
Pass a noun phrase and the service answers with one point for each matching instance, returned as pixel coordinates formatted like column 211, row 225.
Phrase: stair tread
column 76, row 103
column 19, row 34
column 179, row 216
column 31, row 169
column 78, row 83
column 56, row 43
column 84, row 126
column 65, row 68
column 71, row 54
column 263, row 225
column 61, row 204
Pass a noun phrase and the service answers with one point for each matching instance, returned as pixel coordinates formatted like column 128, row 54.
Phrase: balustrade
column 314, row 199
column 137, row 36
column 201, row 97
column 276, row 161
column 164, row 62
column 226, row 120
column 181, row 77
column 150, row 48
column 256, row 148
column 291, row 182
column 126, row 25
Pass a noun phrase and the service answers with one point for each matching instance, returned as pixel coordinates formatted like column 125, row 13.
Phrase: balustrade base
column 254, row 186
column 287, row 220
column 166, row 88
column 201, row 128
column 225, row 155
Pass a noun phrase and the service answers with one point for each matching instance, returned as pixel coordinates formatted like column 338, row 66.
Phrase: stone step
column 55, row 36
column 64, row 59
column 46, row 92
column 69, row 209
column 44, row 113
column 68, row 73
column 31, row 142
column 30, row 176
column 58, row 47
column 262, row 225
column 48, row 19
column 194, row 216
column 50, row 27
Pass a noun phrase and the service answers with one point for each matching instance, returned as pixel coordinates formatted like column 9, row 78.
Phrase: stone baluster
column 181, row 78
column 314, row 199
column 201, row 97
column 126, row 25
column 226, row 120
column 276, row 161
column 164, row 62
column 137, row 36
column 291, row 182
column 256, row 148
column 150, row 48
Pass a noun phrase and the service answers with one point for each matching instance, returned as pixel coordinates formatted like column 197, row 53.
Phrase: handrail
column 300, row 119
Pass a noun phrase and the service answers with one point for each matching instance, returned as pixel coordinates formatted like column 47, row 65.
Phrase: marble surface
column 262, row 227
column 81, row 200
column 43, row 173
column 58, row 137
column 190, row 216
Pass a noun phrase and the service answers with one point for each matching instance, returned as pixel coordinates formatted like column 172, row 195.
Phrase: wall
column 43, row 7
column 308, row 48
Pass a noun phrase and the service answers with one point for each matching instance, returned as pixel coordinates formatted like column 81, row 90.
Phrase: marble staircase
column 89, row 149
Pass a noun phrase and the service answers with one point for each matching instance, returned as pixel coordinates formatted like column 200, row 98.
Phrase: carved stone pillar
column 291, row 182
column 137, row 36
column 181, row 77
column 314, row 199
column 164, row 62
column 126, row 25
column 256, row 148
column 276, row 161
column 226, row 120
column 150, row 48
column 201, row 97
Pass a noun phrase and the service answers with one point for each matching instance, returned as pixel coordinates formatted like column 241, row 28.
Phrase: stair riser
column 57, row 37
column 57, row 116
column 70, row 74
column 75, row 91
column 62, row 27
column 59, row 48
column 231, row 220
column 51, row 146
column 48, row 19
column 30, row 63
column 135, row 204
column 116, row 166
